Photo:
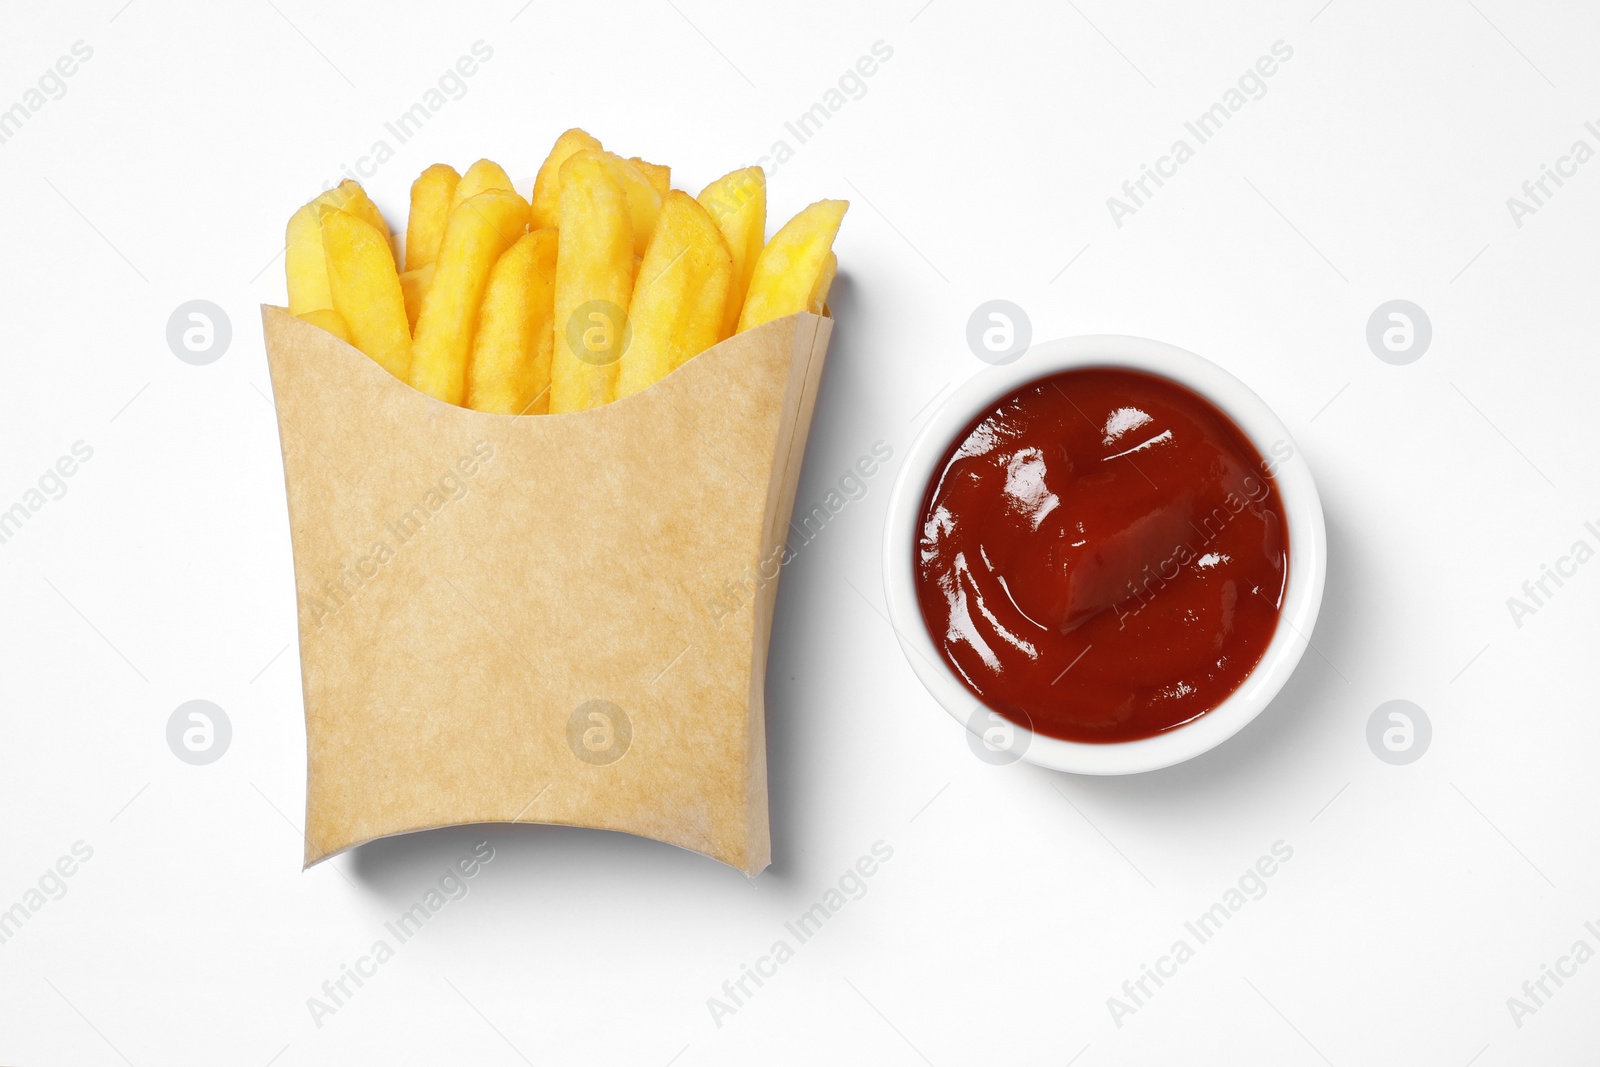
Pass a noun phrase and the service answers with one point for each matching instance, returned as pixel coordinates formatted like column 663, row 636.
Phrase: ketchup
column 1102, row 556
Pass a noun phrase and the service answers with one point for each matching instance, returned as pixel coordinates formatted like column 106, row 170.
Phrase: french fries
column 483, row 176
column 738, row 204
column 328, row 320
column 680, row 296
column 791, row 266
column 596, row 287
column 479, row 232
column 547, row 186
column 432, row 195
column 304, row 263
column 644, row 201
column 366, row 290
column 660, row 176
column 644, row 183
column 509, row 371
column 414, row 284
column 594, row 283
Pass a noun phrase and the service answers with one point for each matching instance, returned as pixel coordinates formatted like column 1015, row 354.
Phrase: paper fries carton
column 525, row 619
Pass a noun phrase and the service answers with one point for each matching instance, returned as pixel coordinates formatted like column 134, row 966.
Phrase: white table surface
column 978, row 160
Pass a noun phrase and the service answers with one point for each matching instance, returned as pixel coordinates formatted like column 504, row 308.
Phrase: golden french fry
column 414, row 284
column 660, row 176
column 818, row 304
column 594, row 283
column 361, row 206
column 366, row 290
column 547, row 186
column 644, row 202
column 329, row 320
column 509, row 372
column 304, row 265
column 679, row 297
column 432, row 194
column 478, row 233
column 789, row 267
column 483, row 176
column 351, row 198
column 738, row 204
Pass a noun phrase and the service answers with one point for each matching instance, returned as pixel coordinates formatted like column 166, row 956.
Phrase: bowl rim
column 1307, row 553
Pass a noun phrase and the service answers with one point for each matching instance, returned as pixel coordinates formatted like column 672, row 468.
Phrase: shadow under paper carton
column 520, row 619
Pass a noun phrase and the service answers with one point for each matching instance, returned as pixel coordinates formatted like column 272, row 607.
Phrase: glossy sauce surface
column 1102, row 556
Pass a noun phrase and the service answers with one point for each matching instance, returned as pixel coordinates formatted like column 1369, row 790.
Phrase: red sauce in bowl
column 1102, row 556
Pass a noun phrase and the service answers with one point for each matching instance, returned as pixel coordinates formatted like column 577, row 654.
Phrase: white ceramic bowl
column 1308, row 550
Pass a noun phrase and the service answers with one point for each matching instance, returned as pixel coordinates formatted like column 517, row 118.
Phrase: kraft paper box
column 543, row 619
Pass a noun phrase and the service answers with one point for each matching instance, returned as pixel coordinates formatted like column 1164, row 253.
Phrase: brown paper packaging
column 542, row 619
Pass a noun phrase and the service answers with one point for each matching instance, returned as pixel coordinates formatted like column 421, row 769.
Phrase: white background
column 978, row 164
